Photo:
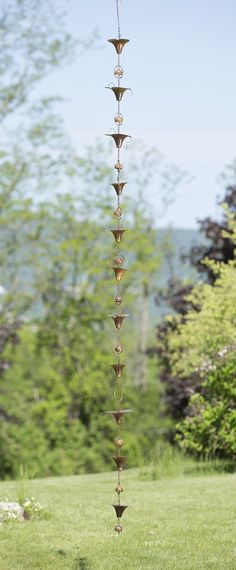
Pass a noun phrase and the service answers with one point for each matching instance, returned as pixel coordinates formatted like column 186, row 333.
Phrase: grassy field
column 187, row 522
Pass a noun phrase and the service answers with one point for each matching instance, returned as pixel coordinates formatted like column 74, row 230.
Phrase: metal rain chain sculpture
column 119, row 271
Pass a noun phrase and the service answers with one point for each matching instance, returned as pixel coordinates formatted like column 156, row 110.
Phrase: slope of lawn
column 187, row 522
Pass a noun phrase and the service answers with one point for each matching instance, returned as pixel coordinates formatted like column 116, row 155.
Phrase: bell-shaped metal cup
column 118, row 368
column 118, row 186
column 119, row 91
column 120, row 461
column 118, row 138
column 119, row 510
column 118, row 320
column 119, row 272
column 118, row 44
column 118, row 234
column 118, row 414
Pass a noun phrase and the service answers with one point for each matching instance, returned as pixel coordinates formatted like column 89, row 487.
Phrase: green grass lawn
column 187, row 522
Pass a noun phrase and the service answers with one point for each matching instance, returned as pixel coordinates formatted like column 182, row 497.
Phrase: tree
column 35, row 155
column 204, row 346
column 33, row 42
column 219, row 246
column 34, row 152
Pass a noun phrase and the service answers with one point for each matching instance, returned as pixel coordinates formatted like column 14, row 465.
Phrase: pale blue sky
column 180, row 64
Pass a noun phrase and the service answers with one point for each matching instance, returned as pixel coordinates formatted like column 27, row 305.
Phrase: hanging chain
column 118, row 17
column 119, row 271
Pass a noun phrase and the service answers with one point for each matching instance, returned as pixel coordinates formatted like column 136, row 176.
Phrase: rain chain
column 119, row 271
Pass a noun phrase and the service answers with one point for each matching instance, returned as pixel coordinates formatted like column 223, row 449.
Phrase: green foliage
column 210, row 428
column 208, row 331
column 32, row 508
column 44, row 431
column 59, row 377
column 52, row 396
column 56, row 270
column 204, row 345
column 33, row 41
column 166, row 460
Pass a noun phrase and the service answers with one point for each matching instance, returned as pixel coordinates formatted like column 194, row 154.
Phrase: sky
column 180, row 64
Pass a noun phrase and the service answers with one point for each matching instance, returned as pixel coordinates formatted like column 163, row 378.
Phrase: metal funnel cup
column 118, row 233
column 118, row 44
column 118, row 368
column 118, row 186
column 119, row 272
column 118, row 320
column 119, row 91
column 118, row 138
column 119, row 510
column 118, row 414
column 120, row 461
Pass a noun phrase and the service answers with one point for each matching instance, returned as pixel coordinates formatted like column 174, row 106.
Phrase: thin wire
column 118, row 17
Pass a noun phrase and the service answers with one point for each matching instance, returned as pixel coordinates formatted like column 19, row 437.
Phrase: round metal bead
column 118, row 348
column 118, row 442
column 119, row 260
column 119, row 488
column 118, row 213
column 118, row 72
column 118, row 528
column 118, row 299
column 118, row 118
column 118, row 165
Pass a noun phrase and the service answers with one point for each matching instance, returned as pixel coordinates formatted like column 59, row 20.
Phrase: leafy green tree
column 64, row 360
column 204, row 345
column 210, row 427
column 33, row 42
column 217, row 245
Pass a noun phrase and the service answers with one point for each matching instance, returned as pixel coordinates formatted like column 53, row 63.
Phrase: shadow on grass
column 81, row 563
column 61, row 552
